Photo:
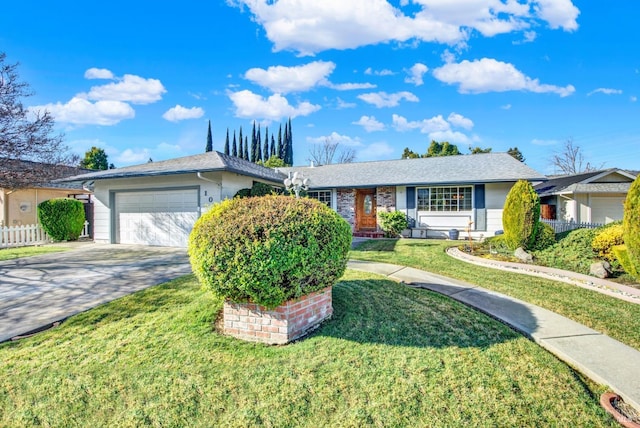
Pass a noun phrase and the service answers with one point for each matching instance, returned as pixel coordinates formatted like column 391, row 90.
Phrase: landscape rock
column 522, row 255
column 601, row 269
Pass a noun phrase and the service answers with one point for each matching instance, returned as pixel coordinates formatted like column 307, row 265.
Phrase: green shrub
column 62, row 218
column 606, row 238
column 631, row 224
column 242, row 193
column 545, row 237
column 270, row 249
column 521, row 216
column 393, row 223
column 261, row 189
column 621, row 253
column 572, row 251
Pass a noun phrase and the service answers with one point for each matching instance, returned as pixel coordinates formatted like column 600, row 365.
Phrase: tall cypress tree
column 245, row 156
column 258, row 154
column 280, row 152
column 265, row 148
column 241, row 150
column 234, row 148
column 254, row 140
column 290, row 145
column 273, row 146
column 226, row 143
column 209, row 147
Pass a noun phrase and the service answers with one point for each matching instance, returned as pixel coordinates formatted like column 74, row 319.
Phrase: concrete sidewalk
column 599, row 357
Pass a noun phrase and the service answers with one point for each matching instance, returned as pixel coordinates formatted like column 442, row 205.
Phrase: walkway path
column 601, row 358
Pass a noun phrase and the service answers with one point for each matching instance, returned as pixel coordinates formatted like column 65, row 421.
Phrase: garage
column 161, row 218
column 606, row 209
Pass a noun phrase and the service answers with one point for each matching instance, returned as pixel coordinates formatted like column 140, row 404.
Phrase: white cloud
column 283, row 80
column 334, row 137
column 275, row 107
column 309, row 27
column 370, row 124
column 79, row 111
column 350, row 86
column 98, row 73
column 529, row 36
column 506, row 107
column 415, row 74
column 460, row 121
column 375, row 151
column 633, row 98
column 558, row 13
column 178, row 113
column 130, row 88
column 426, row 126
column 453, row 137
column 606, row 91
column 538, row 142
column 490, row 75
column 382, row 99
column 343, row 104
column 383, row 72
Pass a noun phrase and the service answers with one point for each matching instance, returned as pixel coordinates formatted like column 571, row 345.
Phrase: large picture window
column 323, row 196
column 453, row 198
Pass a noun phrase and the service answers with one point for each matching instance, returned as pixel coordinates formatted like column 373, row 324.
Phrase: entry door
column 366, row 209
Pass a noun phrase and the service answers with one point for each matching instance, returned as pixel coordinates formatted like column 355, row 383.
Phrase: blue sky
column 141, row 80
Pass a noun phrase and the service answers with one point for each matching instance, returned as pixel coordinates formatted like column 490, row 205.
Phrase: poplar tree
column 265, row 148
column 209, row 147
column 234, row 147
column 254, row 142
column 226, row 143
column 279, row 151
column 246, row 148
column 290, row 145
column 258, row 154
column 241, row 150
column 273, row 147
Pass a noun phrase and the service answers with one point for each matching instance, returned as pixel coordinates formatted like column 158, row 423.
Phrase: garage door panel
column 606, row 210
column 162, row 218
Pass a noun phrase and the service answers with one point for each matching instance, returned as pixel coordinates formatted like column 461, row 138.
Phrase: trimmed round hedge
column 631, row 224
column 269, row 249
column 520, row 217
column 62, row 218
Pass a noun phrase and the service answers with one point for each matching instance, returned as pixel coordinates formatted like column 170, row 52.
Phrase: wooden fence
column 31, row 234
column 564, row 226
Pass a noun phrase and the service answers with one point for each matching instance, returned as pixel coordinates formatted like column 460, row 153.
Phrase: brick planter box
column 287, row 322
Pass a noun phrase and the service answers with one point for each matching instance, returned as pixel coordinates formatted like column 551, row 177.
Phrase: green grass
column 608, row 315
column 390, row 356
column 14, row 253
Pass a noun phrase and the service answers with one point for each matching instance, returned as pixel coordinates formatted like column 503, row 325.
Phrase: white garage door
column 163, row 218
column 606, row 210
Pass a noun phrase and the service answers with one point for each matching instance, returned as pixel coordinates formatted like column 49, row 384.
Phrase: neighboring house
column 437, row 194
column 19, row 206
column 590, row 197
column 157, row 203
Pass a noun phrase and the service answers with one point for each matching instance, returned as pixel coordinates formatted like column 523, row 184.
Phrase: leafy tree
column 442, row 149
column 330, row 152
column 409, row 154
column 30, row 154
column 521, row 216
column 516, row 153
column 226, row 144
column 209, row 147
column 570, row 160
column 95, row 158
column 478, row 150
column 234, row 147
column 273, row 162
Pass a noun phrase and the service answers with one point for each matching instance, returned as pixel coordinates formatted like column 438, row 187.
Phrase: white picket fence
column 31, row 234
column 564, row 226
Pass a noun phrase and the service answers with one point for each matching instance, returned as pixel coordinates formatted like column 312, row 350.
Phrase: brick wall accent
column 287, row 322
column 386, row 198
column 347, row 205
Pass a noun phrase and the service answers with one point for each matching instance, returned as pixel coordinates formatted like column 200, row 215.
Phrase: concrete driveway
column 38, row 291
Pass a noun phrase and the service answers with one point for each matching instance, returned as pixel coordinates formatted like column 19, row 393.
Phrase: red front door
column 366, row 209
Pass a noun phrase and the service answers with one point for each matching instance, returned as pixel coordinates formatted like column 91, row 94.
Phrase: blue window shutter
column 411, row 198
column 479, row 196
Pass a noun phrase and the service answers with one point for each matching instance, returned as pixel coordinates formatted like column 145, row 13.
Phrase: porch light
column 296, row 183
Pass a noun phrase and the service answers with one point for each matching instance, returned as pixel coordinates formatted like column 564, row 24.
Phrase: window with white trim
column 323, row 196
column 450, row 198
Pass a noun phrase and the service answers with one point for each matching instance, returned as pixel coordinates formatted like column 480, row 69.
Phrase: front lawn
column 390, row 356
column 14, row 253
column 608, row 315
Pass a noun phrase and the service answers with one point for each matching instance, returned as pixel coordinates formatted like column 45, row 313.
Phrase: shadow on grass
column 376, row 245
column 384, row 312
